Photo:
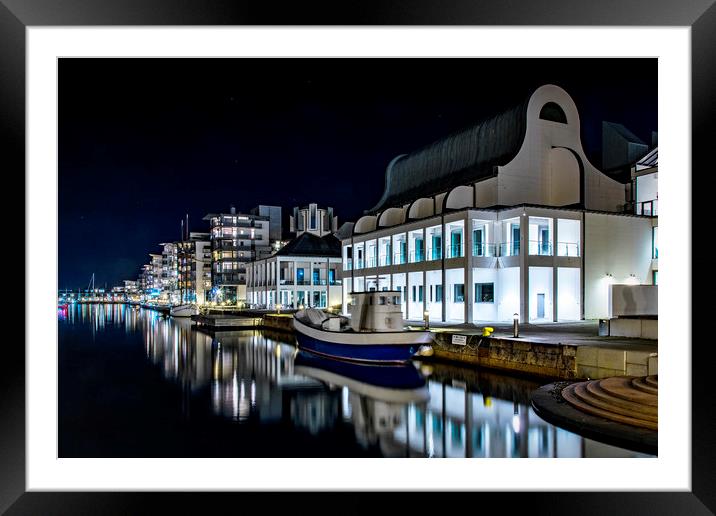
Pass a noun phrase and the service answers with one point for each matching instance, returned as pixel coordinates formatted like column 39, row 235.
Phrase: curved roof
column 460, row 158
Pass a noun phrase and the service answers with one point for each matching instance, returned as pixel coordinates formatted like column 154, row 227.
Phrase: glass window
column 438, row 293
column 484, row 292
column 459, row 293
column 382, row 300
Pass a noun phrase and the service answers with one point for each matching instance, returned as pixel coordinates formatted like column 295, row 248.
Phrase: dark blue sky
column 144, row 141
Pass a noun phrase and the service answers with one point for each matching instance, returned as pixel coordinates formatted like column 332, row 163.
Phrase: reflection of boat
column 374, row 333
column 401, row 383
column 185, row 310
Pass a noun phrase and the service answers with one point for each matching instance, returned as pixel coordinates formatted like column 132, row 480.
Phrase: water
column 135, row 384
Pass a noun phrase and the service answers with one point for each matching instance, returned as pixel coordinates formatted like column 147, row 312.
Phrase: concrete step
column 634, row 408
column 570, row 395
column 622, row 387
column 652, row 380
column 640, row 384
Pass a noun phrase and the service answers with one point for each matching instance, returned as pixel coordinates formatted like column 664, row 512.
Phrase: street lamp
column 516, row 325
column 426, row 319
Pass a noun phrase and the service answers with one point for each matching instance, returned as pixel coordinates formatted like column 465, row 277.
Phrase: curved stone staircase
column 623, row 399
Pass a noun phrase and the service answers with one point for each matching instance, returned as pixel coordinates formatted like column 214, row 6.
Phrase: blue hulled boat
column 374, row 333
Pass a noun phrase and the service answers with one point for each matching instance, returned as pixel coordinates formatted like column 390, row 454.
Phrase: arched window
column 552, row 112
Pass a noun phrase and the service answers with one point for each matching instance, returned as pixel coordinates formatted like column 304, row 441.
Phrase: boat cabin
column 376, row 311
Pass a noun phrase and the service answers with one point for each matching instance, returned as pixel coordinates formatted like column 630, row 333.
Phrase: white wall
column 633, row 300
column 455, row 310
column 540, row 282
column 568, row 298
column 616, row 245
column 568, row 234
column 434, row 278
column 508, row 293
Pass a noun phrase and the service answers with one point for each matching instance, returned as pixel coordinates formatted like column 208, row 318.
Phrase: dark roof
column 460, row 158
column 312, row 245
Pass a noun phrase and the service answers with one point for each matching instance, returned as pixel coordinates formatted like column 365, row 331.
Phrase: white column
column 524, row 269
column 469, row 293
column 555, row 278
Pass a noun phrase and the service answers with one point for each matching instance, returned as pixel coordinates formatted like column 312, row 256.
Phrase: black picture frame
column 700, row 15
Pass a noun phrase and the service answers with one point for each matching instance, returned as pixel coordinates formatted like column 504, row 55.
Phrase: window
column 459, row 293
column 438, row 293
column 332, row 276
column 396, row 300
column 484, row 292
column 382, row 300
column 413, row 293
column 655, row 277
column 552, row 112
column 420, row 293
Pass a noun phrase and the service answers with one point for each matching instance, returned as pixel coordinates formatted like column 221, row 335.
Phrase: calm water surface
column 135, row 384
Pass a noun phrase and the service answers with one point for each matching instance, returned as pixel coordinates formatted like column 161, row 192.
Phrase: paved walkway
column 582, row 333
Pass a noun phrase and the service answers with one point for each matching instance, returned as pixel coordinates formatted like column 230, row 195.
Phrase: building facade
column 507, row 217
column 304, row 272
column 236, row 240
column 194, row 268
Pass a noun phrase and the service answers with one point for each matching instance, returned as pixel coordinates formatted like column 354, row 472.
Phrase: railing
column 335, row 282
column 435, row 253
column 540, row 248
column 286, row 282
column 371, row 261
column 383, row 260
column 359, row 264
column 480, row 249
column 567, row 249
column 648, row 208
column 348, row 265
column 417, row 256
column 303, row 282
column 510, row 248
column 319, row 281
column 399, row 258
column 454, row 251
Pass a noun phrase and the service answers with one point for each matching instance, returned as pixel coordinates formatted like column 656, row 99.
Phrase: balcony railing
column 417, row 256
column 383, row 260
column 481, row 249
column 454, row 251
column 319, row 281
column 371, row 261
column 510, row 248
column 303, row 282
column 348, row 265
column 286, row 282
column 540, row 248
column 567, row 249
column 435, row 254
column 399, row 258
column 359, row 264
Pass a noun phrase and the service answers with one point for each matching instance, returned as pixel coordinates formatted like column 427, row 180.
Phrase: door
column 515, row 239
column 540, row 306
column 477, row 243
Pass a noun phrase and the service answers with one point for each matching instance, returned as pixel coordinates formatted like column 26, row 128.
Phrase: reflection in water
column 418, row 410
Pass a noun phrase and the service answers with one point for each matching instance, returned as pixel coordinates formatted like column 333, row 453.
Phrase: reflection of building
column 506, row 217
column 237, row 239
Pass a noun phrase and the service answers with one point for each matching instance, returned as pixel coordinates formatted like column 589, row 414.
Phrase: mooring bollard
column 516, row 325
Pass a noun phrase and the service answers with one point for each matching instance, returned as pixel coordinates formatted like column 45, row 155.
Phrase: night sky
column 144, row 141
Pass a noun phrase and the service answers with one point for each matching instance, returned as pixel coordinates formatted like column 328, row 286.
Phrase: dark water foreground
column 135, row 384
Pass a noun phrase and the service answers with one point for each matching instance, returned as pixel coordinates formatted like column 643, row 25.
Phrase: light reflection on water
column 259, row 378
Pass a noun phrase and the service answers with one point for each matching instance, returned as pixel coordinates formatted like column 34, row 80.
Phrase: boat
column 375, row 332
column 184, row 310
column 393, row 383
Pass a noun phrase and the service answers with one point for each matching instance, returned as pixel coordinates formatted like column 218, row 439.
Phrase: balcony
column 359, row 264
column 319, row 281
column 510, row 248
column 454, row 251
column 540, row 248
column 348, row 265
column 303, row 282
column 435, row 253
column 371, row 262
column 399, row 258
column 384, row 260
column 567, row 249
column 417, row 256
column 487, row 250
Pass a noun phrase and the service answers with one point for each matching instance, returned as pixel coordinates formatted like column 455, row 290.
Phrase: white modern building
column 304, row 272
column 194, row 268
column 505, row 217
column 645, row 185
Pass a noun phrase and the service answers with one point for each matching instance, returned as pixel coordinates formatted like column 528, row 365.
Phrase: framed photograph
column 408, row 250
